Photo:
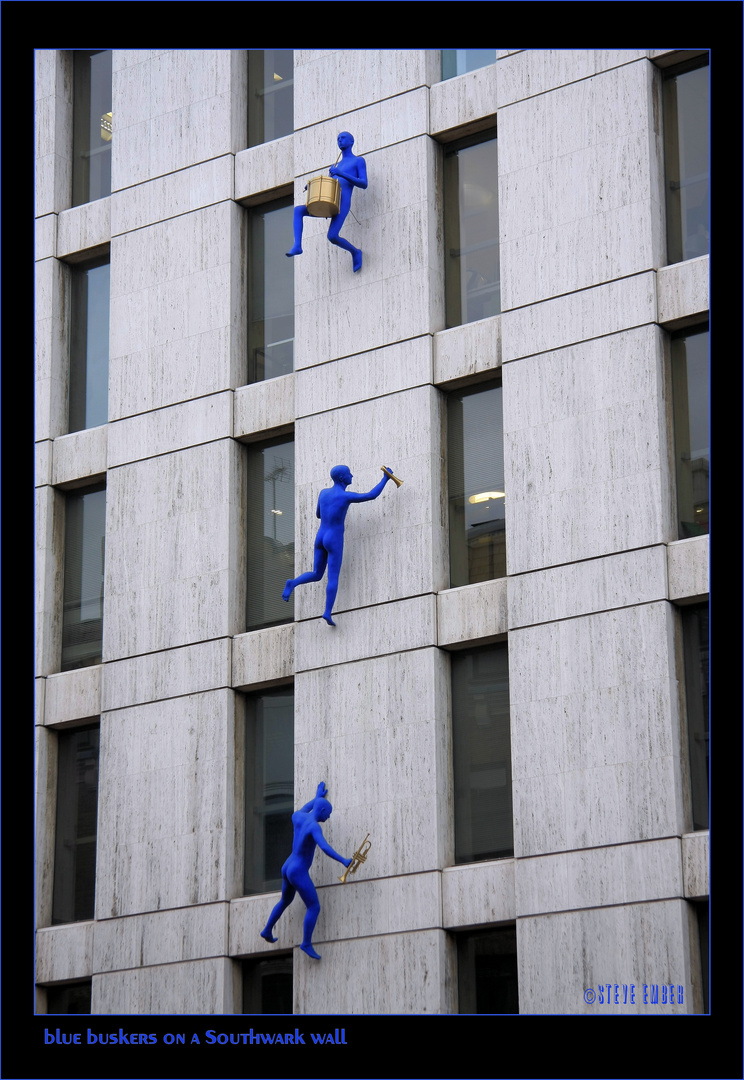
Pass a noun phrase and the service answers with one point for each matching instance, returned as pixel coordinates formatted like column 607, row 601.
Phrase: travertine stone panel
column 84, row 227
column 360, row 909
column 177, row 310
column 562, row 955
column 249, row 915
column 49, row 543
column 330, row 83
column 373, row 631
column 175, row 565
column 623, row 580
column 463, row 100
column 173, row 673
column 591, row 313
column 80, row 454
column 599, row 877
column 364, row 376
column 263, row 656
column 394, row 545
column 168, row 828
column 64, row 952
column 190, row 423
column 264, row 406
column 170, row 196
column 200, row 987
column 73, row 695
column 529, row 72
column 163, row 937
column 398, row 293
column 687, row 562
column 264, row 168
column 596, row 751
column 558, row 235
column 53, row 127
column 479, row 893
column 472, row 612
column 682, row 290
column 51, row 330
column 695, row 860
column 468, row 350
column 377, row 733
column 45, row 237
column 585, row 456
column 176, row 109
column 43, row 462
column 396, row 973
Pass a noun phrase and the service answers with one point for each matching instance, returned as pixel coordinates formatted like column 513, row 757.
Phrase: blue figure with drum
column 350, row 172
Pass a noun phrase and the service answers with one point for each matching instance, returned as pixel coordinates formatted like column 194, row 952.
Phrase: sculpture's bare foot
column 329, row 620
column 267, row 935
column 296, row 250
column 287, row 590
column 310, row 951
column 357, row 260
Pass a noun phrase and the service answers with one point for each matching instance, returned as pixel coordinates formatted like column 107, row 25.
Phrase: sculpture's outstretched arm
column 365, row 496
column 321, row 793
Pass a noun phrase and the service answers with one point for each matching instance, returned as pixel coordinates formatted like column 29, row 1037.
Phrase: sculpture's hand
column 322, row 791
column 347, row 862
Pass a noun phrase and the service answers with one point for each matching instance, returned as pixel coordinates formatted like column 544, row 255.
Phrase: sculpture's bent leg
column 288, row 895
column 333, row 235
column 300, row 213
column 334, row 568
column 321, row 558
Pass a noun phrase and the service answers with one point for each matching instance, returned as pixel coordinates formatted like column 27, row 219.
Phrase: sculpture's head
column 342, row 474
column 323, row 810
column 345, row 139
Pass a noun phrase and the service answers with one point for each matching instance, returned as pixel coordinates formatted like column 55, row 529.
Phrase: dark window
column 686, row 147
column 482, row 754
column 69, row 997
column 695, row 634
column 269, row 788
column 89, row 345
column 270, row 94
column 475, row 470
column 702, row 912
column 92, row 126
column 458, row 61
column 82, row 621
column 270, row 292
column 270, row 529
column 471, row 230
column 691, row 429
column 487, row 971
column 267, row 985
column 76, row 826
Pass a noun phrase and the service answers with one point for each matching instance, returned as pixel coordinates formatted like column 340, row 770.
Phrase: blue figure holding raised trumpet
column 296, row 871
column 351, row 172
column 333, row 505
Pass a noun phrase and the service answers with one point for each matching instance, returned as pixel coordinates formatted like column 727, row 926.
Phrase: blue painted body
column 333, row 505
column 296, row 871
column 351, row 172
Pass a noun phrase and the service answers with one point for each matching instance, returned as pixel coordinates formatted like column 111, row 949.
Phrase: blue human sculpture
column 333, row 505
column 351, row 172
column 296, row 870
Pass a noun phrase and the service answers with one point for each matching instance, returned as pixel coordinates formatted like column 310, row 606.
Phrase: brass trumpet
column 359, row 856
column 395, row 479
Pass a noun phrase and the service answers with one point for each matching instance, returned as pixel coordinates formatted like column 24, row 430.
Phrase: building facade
column 513, row 703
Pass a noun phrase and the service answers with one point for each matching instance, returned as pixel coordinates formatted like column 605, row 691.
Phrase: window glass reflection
column 82, row 619
column 271, row 292
column 270, row 532
column 270, row 94
column 89, row 345
column 92, row 126
column 269, row 773
column 686, row 152
column 690, row 368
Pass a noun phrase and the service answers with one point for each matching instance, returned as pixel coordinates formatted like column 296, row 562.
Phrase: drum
column 323, row 196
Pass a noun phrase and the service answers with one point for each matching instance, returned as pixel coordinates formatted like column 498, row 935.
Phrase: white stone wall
column 604, row 859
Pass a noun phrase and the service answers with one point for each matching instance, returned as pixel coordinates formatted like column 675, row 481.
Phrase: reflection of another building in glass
column 475, row 453
column 270, row 519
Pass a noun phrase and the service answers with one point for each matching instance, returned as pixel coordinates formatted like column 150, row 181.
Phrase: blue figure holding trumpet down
column 296, row 871
column 333, row 505
column 351, row 172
